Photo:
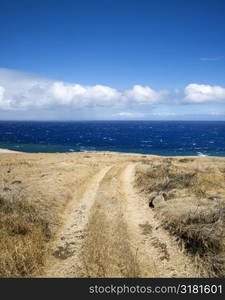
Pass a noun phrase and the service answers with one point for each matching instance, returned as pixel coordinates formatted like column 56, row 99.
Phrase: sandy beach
column 7, row 151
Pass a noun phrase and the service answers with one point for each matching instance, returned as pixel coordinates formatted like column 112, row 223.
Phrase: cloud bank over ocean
column 22, row 93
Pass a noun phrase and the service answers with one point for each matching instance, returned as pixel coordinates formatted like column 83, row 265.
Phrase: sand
column 7, row 151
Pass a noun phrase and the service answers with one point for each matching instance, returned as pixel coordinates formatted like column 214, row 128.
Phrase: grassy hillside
column 34, row 191
column 194, row 206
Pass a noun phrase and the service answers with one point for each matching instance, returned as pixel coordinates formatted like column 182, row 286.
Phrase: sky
column 112, row 59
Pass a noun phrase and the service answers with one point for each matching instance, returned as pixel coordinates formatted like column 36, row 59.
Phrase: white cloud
column 125, row 114
column 76, row 94
column 217, row 58
column 27, row 91
column 24, row 95
column 217, row 113
column 4, row 103
column 199, row 93
column 162, row 114
column 24, row 91
column 143, row 94
column 102, row 95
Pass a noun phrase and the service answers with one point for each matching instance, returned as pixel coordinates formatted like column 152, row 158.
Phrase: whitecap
column 201, row 154
column 85, row 149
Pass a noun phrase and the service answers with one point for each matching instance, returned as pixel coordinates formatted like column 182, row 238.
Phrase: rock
column 152, row 196
column 157, row 201
column 6, row 189
column 214, row 198
column 165, row 196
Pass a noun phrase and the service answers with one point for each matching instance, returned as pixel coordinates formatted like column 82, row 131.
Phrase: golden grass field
column 88, row 215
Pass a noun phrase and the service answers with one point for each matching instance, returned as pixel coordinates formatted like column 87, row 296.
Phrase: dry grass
column 190, row 214
column 106, row 251
column 201, row 231
column 23, row 236
column 34, row 191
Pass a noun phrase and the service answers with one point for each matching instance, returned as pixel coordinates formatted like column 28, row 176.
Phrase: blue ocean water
column 147, row 137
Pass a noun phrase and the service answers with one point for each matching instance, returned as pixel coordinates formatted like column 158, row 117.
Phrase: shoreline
column 8, row 151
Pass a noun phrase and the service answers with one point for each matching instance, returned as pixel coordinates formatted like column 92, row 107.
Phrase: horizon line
column 111, row 120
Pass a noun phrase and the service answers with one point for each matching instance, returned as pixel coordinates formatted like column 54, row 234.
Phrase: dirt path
column 107, row 251
column 153, row 243
column 64, row 260
column 111, row 232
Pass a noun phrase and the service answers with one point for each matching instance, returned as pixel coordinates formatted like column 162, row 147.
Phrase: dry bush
column 186, row 160
column 202, row 232
column 23, row 239
column 164, row 177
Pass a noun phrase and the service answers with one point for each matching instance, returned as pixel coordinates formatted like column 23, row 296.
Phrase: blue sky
column 111, row 59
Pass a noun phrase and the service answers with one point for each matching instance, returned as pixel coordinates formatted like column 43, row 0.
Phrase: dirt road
column 111, row 232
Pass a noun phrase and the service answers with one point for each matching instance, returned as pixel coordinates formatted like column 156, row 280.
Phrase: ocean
column 172, row 138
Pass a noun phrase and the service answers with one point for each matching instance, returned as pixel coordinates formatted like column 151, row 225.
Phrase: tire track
column 64, row 261
column 153, row 243
column 107, row 250
column 111, row 232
